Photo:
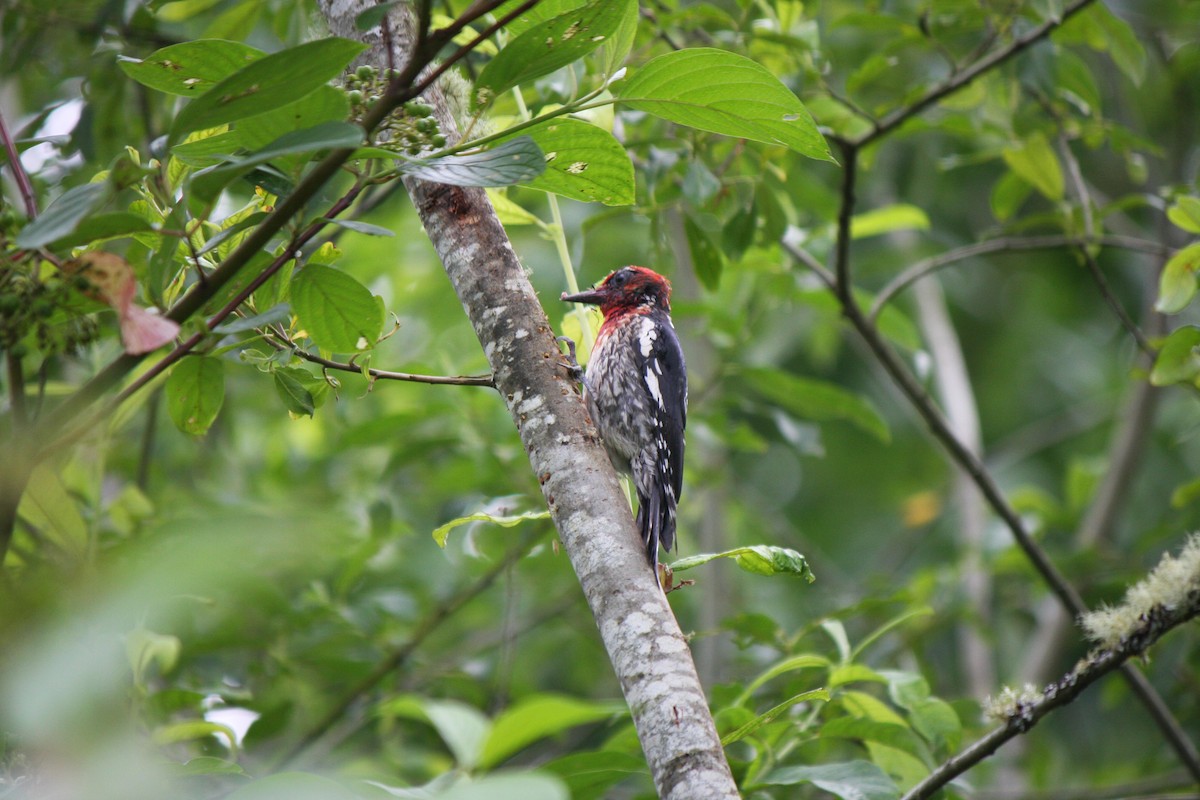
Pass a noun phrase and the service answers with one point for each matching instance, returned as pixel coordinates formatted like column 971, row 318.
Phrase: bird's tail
column 656, row 522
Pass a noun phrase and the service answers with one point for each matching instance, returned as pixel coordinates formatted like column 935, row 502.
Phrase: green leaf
column 195, row 393
column 359, row 227
column 898, row 217
column 1177, row 284
column 760, row 559
column 1007, row 196
column 550, row 45
column 1122, row 43
column 190, row 68
column 851, row 780
column 583, row 162
column 900, row 737
column 770, row 716
column 1186, row 214
column 270, row 82
column 208, row 183
column 725, row 93
column 442, row 532
column 279, row 313
column 512, row 786
column 617, row 48
column 100, row 227
column 1186, row 494
column 707, row 258
column 1179, row 358
column 292, row 786
column 817, row 400
column 802, row 661
column 536, row 718
column 338, row 312
column 48, row 506
column 463, row 728
column 514, row 161
column 326, row 104
column 374, row 15
column 293, row 392
column 591, row 774
column 62, row 217
column 204, row 765
column 1036, row 163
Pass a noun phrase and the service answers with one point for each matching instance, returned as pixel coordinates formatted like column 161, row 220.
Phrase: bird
column 636, row 391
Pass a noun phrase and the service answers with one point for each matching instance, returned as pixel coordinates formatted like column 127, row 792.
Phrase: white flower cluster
column 1012, row 702
column 1173, row 583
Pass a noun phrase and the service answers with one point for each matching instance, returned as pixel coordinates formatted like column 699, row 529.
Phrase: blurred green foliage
column 262, row 552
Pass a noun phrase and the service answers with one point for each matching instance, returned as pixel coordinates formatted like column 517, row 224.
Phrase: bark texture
column 647, row 649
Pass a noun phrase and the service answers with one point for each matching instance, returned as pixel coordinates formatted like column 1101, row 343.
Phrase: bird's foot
column 571, row 365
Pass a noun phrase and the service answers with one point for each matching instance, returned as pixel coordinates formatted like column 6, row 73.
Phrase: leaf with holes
column 583, row 162
column 190, row 68
column 268, row 83
column 550, row 45
column 338, row 312
column 722, row 92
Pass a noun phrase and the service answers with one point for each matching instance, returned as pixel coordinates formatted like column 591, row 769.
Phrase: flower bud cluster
column 411, row 128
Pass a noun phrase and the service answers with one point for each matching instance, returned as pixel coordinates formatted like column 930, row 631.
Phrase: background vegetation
column 185, row 564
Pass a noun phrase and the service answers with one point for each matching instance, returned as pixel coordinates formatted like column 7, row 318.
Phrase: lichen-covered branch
column 648, row 651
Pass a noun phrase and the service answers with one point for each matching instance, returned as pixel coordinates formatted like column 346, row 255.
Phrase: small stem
column 380, row 374
column 18, row 170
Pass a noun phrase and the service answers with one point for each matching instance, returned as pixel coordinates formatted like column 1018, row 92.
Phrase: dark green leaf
column 99, row 227
column 270, row 82
column 1179, row 358
column 514, row 161
column 292, row 391
column 195, row 393
column 337, row 311
column 725, row 93
column 592, row 774
column 279, row 313
column 326, row 104
column 707, row 258
column 208, row 183
column 190, row 68
column 63, row 216
column 891, row 734
column 817, row 400
column 550, row 45
column 226, row 233
column 374, row 15
column 851, row 780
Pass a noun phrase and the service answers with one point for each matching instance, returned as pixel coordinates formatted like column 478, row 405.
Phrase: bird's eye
column 619, row 279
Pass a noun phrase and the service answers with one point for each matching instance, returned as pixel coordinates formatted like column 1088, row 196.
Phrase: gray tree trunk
column 648, row 651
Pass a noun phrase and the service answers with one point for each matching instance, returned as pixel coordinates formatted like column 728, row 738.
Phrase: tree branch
column 24, row 186
column 889, row 122
column 398, row 656
column 1058, row 585
column 380, row 374
column 1026, row 714
column 648, row 651
column 920, row 269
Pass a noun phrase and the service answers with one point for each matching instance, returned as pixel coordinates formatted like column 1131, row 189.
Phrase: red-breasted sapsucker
column 636, row 390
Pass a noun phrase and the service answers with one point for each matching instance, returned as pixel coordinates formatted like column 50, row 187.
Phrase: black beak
column 592, row 297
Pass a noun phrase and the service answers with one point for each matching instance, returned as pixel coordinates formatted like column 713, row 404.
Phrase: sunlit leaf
column 190, row 68
column 550, row 45
column 898, row 217
column 852, row 780
column 1035, row 161
column 1177, row 283
column 442, row 532
column 771, row 715
column 722, row 92
column 1185, row 213
column 48, row 505
column 270, row 82
column 760, row 559
column 538, row 717
column 1178, row 359
column 337, row 311
column 583, row 162
column 195, row 393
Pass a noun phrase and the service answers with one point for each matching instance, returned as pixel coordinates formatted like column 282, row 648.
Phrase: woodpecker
column 636, row 391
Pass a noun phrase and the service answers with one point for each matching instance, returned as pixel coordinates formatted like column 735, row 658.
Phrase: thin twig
column 1056, row 695
column 397, row 657
column 896, row 118
column 18, row 170
column 1003, row 245
column 378, row 374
